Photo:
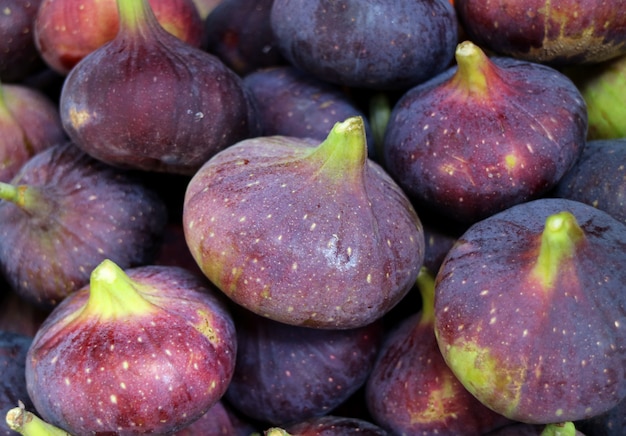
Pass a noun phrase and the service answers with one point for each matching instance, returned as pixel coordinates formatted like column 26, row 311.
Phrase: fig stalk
column 558, row 242
column 28, row 424
column 474, row 70
column 133, row 16
column 28, row 198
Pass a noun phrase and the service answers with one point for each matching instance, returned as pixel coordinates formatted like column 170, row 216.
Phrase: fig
column 19, row 57
column 29, row 123
column 610, row 423
column 297, row 373
column 602, row 86
column 13, row 349
column 219, row 420
column 306, row 233
column 599, row 177
column 567, row 32
column 65, row 31
column 366, row 44
column 332, row 425
column 239, row 33
column 136, row 351
column 411, row 390
column 530, row 311
column 484, row 135
column 148, row 101
column 294, row 103
column 18, row 315
column 64, row 213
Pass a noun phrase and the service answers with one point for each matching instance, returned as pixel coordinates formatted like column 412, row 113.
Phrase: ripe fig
column 411, row 390
column 29, row 123
column 19, row 57
column 560, row 33
column 147, row 100
column 530, row 311
column 332, row 425
column 64, row 213
column 297, row 373
column 484, row 135
column 294, row 103
column 65, row 31
column 13, row 349
column 306, row 233
column 599, row 177
column 365, row 43
column 146, row 350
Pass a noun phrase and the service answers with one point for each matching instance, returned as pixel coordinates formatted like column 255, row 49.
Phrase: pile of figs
column 312, row 217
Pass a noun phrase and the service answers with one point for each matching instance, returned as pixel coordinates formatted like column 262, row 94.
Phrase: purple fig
column 333, row 425
column 147, row 100
column 306, row 233
column 146, row 350
column 64, row 213
column 29, row 123
column 530, row 311
column 484, row 135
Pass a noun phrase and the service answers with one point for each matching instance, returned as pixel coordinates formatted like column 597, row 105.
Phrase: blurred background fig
column 146, row 350
column 306, row 233
column 149, row 101
column 486, row 134
column 297, row 373
column 567, row 32
column 65, row 31
column 29, row 123
column 19, row 56
column 239, row 33
column 370, row 44
column 294, row 103
column 64, row 213
column 332, row 425
column 13, row 349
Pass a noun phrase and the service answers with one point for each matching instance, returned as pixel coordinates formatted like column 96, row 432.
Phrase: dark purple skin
column 411, row 390
column 331, row 425
column 13, row 349
column 31, row 125
column 611, row 423
column 161, row 383
column 598, row 178
column 567, row 33
column 367, row 43
column 92, row 211
column 294, row 103
column 447, row 149
column 219, row 420
column 564, row 345
column 19, row 56
column 173, row 104
column 285, row 374
column 239, row 33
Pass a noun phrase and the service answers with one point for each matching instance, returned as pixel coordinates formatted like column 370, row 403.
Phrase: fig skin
column 332, row 425
column 13, row 349
column 304, row 233
column 366, row 44
column 19, row 57
column 148, row 101
column 297, row 373
column 569, row 32
column 86, row 212
column 155, row 367
column 537, row 341
column 484, row 135
column 29, row 123
column 411, row 390
column 291, row 102
column 93, row 23
column 598, row 178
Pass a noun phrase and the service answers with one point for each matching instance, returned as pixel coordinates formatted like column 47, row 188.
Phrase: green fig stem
column 275, row 431
column 560, row 236
column 343, row 154
column 113, row 294
column 559, row 429
column 136, row 16
column 426, row 286
column 28, row 424
column 28, row 198
column 473, row 69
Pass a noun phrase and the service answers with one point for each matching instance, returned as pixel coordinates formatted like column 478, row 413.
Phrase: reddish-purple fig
column 302, row 232
column 142, row 351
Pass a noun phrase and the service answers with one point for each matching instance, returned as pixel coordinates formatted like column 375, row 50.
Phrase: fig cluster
column 312, row 217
